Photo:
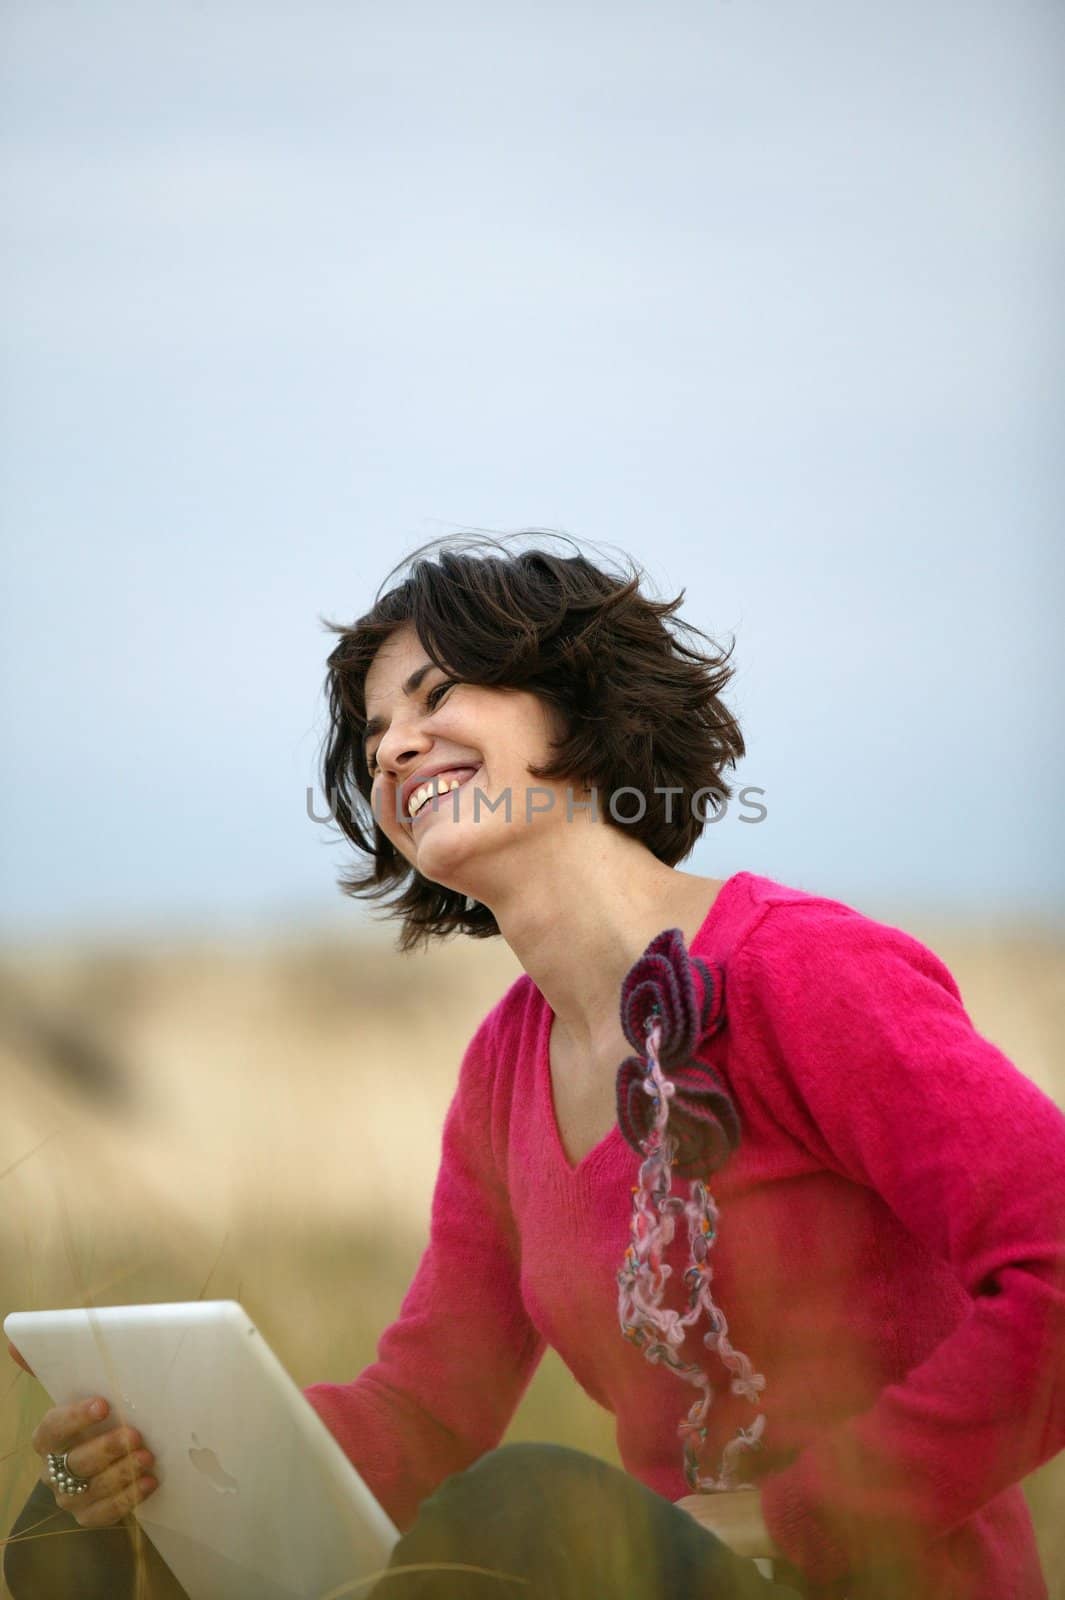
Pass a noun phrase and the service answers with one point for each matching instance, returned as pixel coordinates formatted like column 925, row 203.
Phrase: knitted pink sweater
column 890, row 1255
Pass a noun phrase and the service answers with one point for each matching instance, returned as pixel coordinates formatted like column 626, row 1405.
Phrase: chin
column 452, row 857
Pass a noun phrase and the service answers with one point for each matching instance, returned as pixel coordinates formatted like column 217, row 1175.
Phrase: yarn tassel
column 658, row 1330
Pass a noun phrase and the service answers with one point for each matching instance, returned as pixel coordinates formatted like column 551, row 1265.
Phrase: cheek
column 384, row 802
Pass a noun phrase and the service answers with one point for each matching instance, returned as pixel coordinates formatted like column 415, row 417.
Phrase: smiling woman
column 829, row 1074
column 571, row 677
column 443, row 739
column 878, row 1340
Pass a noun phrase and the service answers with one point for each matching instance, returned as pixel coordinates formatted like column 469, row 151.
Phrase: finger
column 16, row 1355
column 103, row 1513
column 62, row 1424
column 94, row 1456
column 115, row 1479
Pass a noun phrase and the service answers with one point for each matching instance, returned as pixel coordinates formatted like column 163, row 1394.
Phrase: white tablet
column 256, row 1499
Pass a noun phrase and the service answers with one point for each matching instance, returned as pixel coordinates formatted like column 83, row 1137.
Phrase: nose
column 400, row 748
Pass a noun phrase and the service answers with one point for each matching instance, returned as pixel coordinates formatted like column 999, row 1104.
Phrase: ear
column 15, row 1356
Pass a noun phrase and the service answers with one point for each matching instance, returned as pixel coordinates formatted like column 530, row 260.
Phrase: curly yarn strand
column 659, row 1330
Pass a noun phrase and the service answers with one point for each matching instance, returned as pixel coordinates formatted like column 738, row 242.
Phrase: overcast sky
column 765, row 293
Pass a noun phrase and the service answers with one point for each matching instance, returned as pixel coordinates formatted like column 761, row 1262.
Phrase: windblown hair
column 641, row 706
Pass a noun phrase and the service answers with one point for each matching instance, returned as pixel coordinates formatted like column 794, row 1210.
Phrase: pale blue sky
column 766, row 294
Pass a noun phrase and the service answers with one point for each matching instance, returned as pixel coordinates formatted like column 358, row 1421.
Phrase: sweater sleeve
column 868, row 1057
column 452, row 1367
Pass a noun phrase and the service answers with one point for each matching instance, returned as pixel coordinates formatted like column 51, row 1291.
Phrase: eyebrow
column 378, row 724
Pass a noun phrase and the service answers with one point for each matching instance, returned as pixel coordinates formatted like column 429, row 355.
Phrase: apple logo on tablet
column 205, row 1461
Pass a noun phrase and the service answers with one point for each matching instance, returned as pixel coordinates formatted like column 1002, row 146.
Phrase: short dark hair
column 642, row 707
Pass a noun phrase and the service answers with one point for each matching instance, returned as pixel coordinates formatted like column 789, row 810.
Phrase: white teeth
column 418, row 799
column 426, row 791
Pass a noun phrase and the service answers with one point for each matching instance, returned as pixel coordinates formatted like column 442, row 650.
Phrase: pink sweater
column 890, row 1255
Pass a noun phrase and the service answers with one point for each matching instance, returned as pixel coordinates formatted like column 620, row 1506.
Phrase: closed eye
column 433, row 696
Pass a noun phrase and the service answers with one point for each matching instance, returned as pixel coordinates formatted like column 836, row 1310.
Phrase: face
column 426, row 729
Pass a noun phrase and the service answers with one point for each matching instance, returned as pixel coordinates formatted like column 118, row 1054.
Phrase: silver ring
column 66, row 1481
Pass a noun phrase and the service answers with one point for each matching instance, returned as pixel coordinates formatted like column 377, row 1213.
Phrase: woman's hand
column 115, row 1462
column 736, row 1518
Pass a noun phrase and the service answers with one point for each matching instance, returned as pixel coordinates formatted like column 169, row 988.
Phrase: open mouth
column 427, row 798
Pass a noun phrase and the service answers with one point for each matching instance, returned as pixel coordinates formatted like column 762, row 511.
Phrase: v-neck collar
column 576, row 1171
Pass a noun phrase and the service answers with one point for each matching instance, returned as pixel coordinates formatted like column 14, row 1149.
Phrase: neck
column 584, row 912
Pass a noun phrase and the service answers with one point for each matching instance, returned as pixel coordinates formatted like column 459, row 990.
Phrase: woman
column 521, row 746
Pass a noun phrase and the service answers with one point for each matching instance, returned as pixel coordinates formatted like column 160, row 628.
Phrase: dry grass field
column 262, row 1122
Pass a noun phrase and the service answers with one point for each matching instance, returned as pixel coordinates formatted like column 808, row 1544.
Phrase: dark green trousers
column 571, row 1526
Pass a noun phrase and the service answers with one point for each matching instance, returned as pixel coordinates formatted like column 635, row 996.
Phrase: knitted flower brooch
column 686, row 997
column 675, row 1111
